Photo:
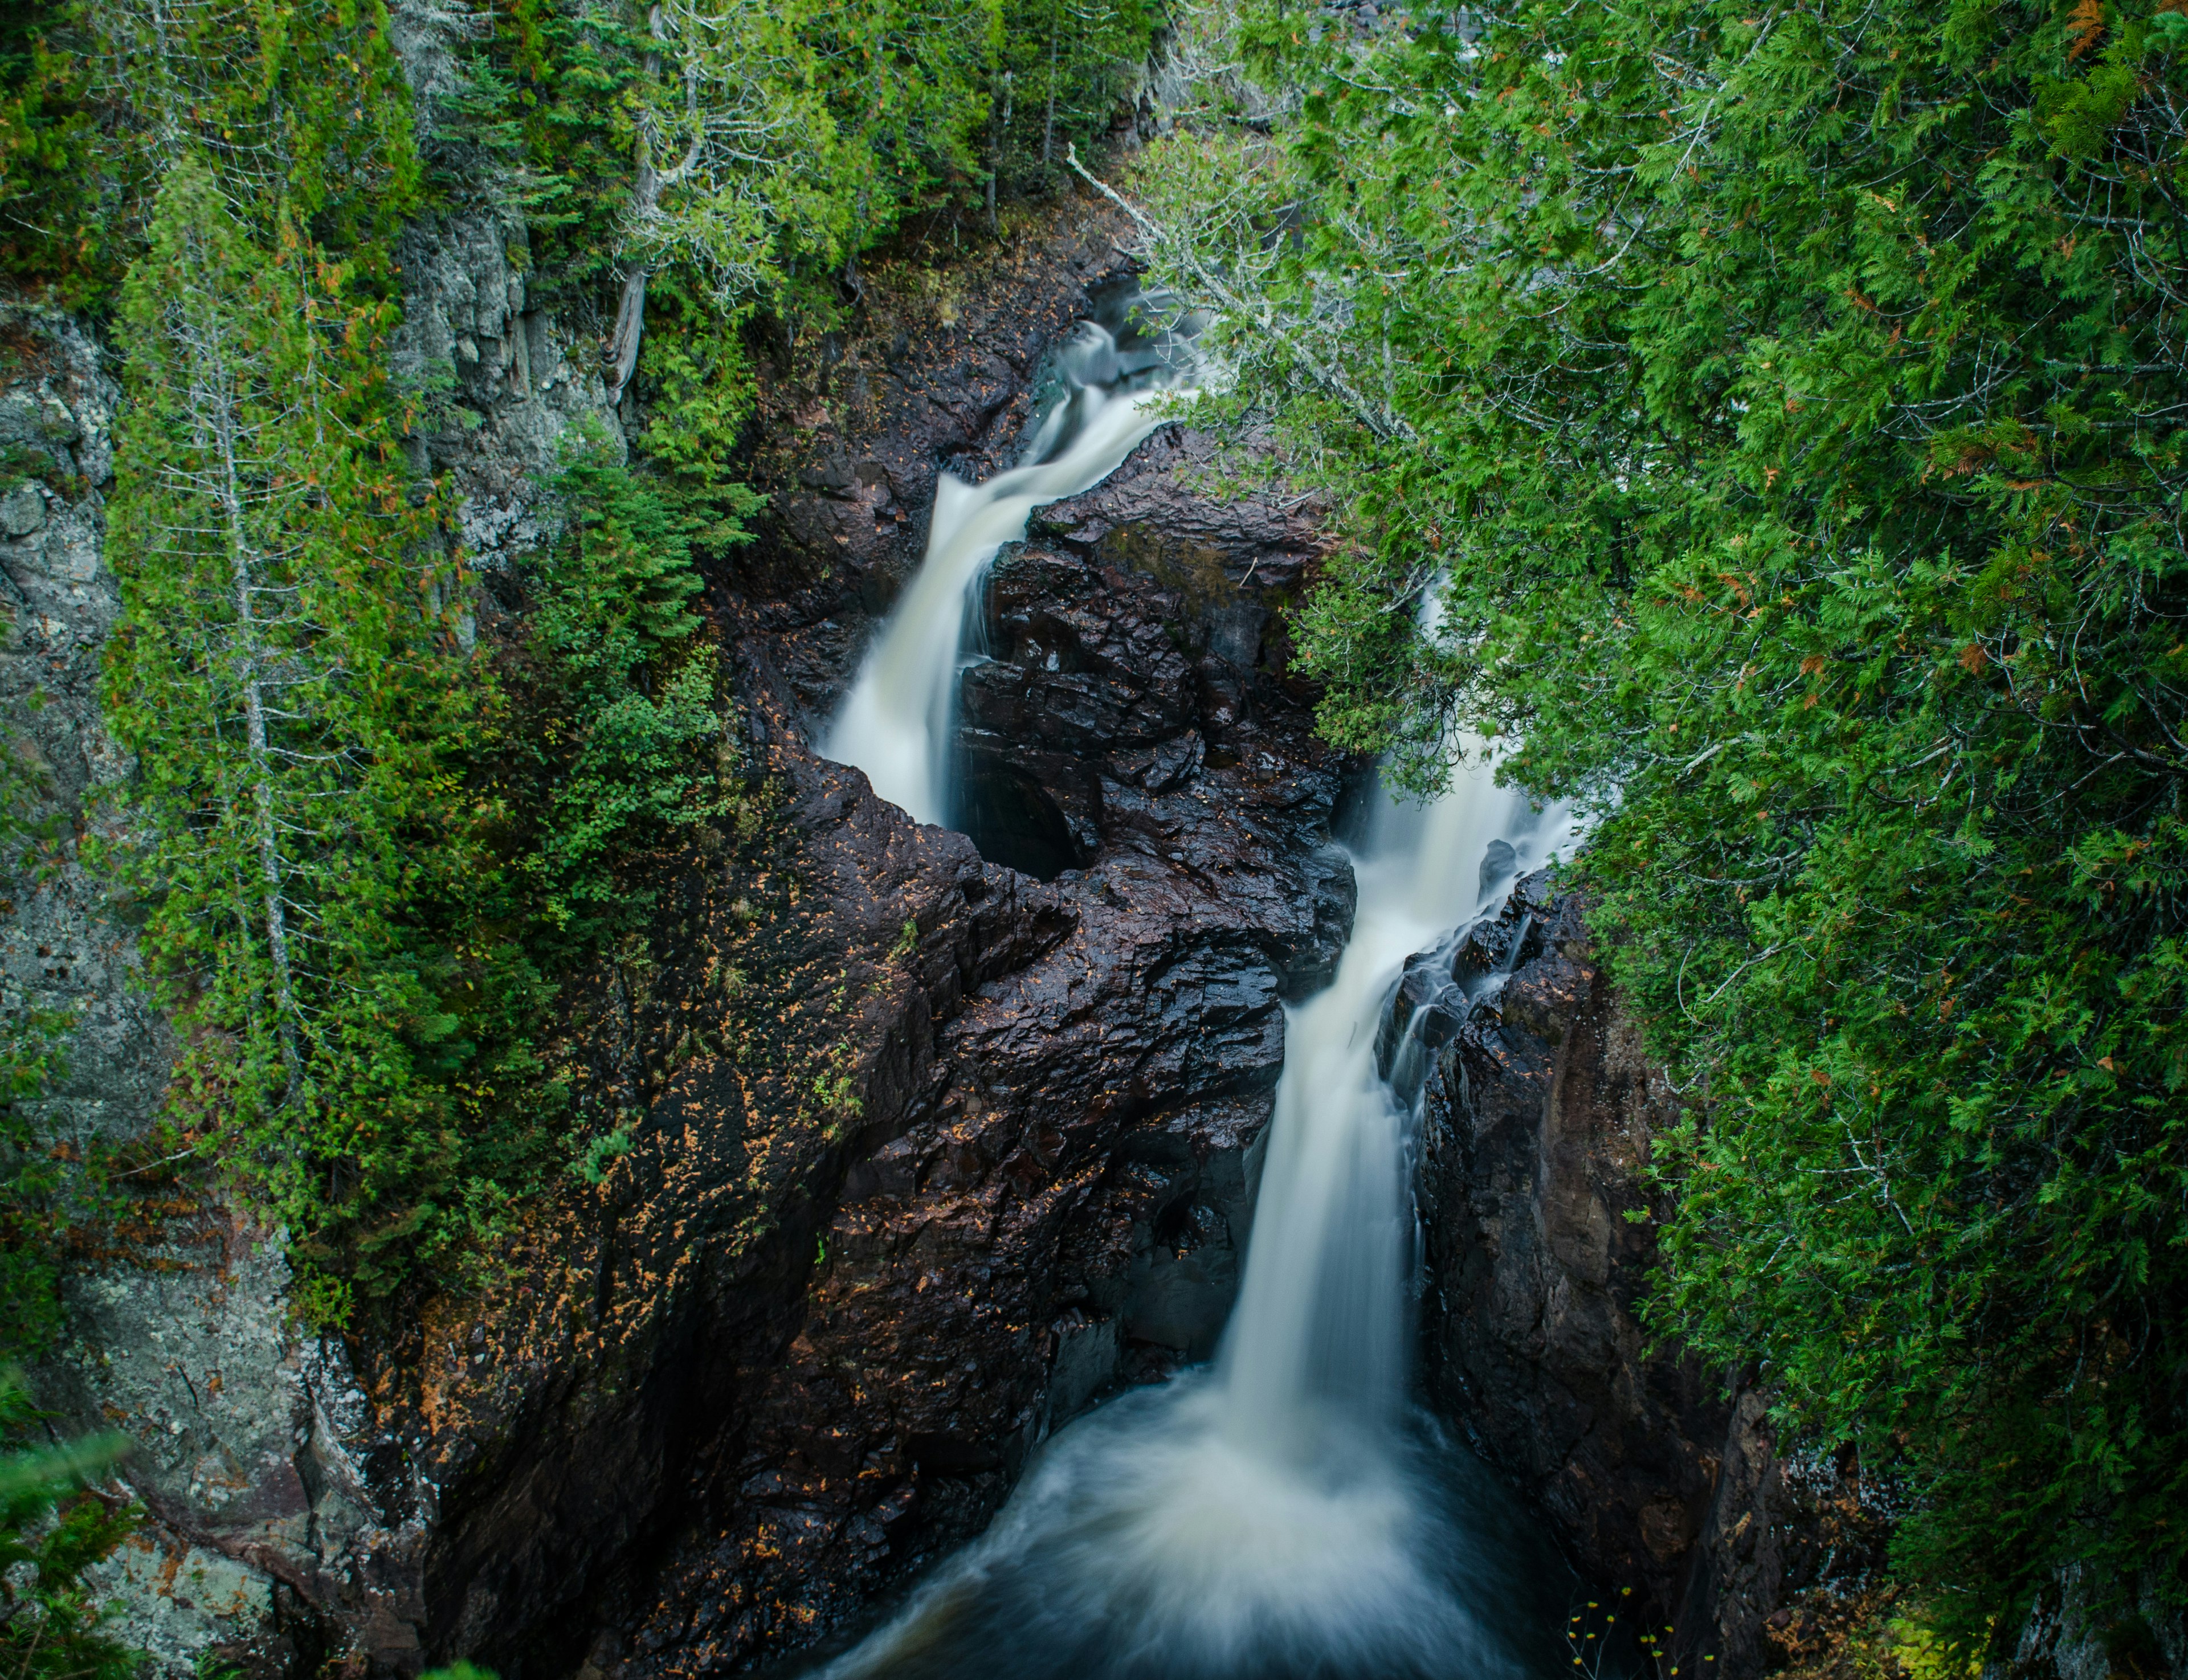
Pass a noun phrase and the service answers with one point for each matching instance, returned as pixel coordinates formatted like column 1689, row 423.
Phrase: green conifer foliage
column 1784, row 406
column 379, row 864
column 284, row 676
column 60, row 199
column 618, row 742
column 1075, row 65
column 49, row 1628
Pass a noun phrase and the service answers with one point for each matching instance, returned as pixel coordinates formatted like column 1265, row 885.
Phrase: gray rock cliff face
column 281, row 1528
column 181, row 1342
column 513, row 387
column 65, row 945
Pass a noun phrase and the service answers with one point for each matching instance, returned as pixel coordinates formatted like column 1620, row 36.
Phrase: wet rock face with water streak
column 1539, row 1226
column 1137, row 657
column 938, row 372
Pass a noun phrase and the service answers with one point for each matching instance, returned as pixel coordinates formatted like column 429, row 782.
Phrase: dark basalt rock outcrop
column 1137, row 652
column 1540, row 1232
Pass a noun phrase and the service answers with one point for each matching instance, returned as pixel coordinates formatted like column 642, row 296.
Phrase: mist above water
column 1285, row 1515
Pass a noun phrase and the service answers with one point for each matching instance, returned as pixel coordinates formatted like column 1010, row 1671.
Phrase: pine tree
column 294, row 701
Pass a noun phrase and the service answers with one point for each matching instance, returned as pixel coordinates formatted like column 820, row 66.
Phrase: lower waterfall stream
column 1284, row 1514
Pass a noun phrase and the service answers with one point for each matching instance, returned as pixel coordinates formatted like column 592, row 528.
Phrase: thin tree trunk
column 645, row 194
column 1048, row 121
column 215, row 398
column 630, row 321
column 996, row 130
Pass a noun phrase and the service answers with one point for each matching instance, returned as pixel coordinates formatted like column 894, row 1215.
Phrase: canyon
column 945, row 1135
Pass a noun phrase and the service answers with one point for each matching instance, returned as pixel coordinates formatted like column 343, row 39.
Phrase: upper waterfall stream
column 896, row 724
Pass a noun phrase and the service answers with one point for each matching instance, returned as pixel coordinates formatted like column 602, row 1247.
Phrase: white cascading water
column 1283, row 1516
column 1319, row 1321
column 897, row 723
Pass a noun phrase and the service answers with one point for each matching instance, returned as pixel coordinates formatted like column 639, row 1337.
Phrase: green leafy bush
column 619, row 714
column 52, row 1528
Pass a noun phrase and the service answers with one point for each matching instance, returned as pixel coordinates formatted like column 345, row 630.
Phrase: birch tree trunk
column 998, row 127
column 1048, row 121
column 646, row 199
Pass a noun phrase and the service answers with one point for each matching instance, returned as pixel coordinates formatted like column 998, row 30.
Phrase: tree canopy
column 380, row 859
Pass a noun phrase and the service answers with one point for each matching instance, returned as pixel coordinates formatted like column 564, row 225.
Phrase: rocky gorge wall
column 1656, row 1475
column 1058, row 1200
column 280, row 1528
column 934, row 1151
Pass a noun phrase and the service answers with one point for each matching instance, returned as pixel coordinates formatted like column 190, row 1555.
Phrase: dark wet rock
column 1540, row 1228
column 795, row 1030
column 1168, row 518
column 1138, row 690
column 1065, row 1203
column 853, row 436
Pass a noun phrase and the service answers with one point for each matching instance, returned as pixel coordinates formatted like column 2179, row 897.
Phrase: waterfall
column 897, row 723
column 1320, row 1321
column 1284, row 1516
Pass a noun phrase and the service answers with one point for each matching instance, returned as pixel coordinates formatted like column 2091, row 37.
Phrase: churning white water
column 897, row 723
column 1283, row 1516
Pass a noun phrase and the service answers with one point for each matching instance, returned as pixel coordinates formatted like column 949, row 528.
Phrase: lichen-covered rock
column 179, row 1335
column 238, row 1428
column 66, row 948
column 509, row 387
